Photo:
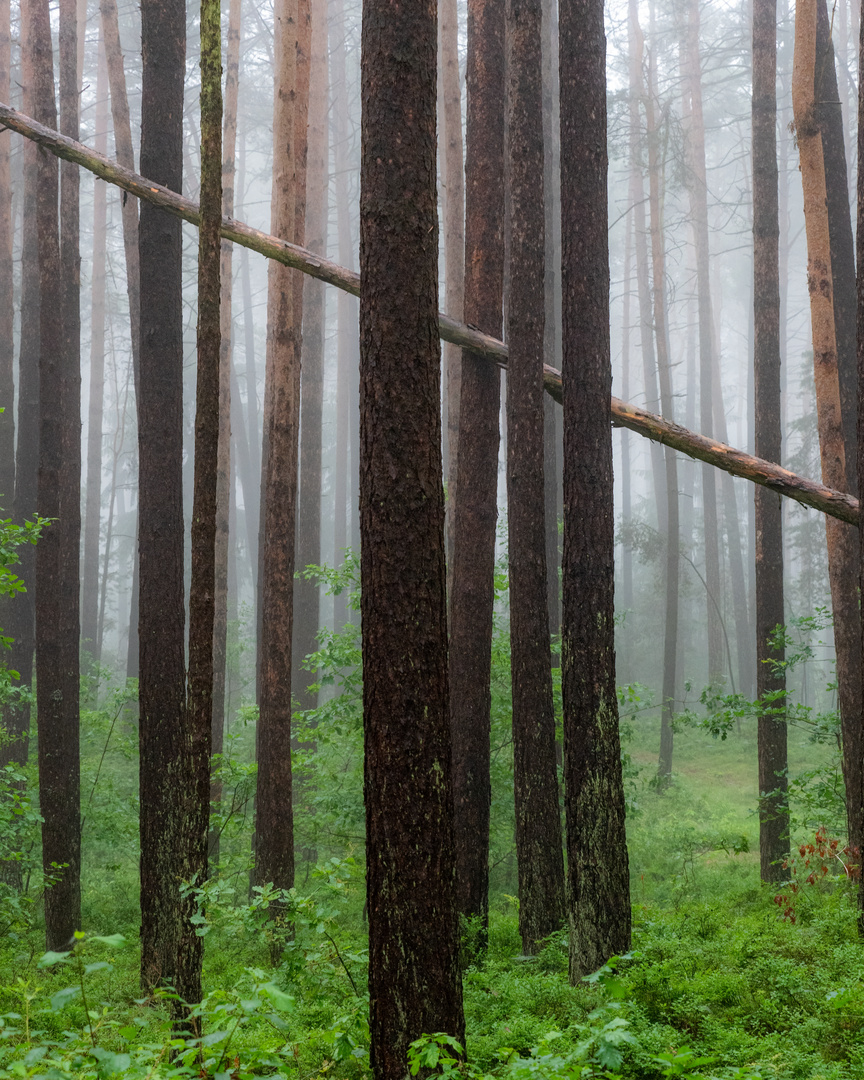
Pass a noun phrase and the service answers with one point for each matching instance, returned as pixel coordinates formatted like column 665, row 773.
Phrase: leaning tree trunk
column 770, row 674
column 598, row 881
column 842, row 552
column 414, row 983
column 473, row 593
column 535, row 780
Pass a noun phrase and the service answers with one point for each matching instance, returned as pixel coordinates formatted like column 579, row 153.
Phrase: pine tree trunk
column 842, row 550
column 472, row 597
column 163, row 754
column 274, row 826
column 859, row 249
column 7, row 352
column 414, row 983
column 93, row 504
column 770, row 677
column 538, row 822
column 598, row 882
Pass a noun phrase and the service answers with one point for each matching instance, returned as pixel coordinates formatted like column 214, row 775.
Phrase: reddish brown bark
column 414, row 983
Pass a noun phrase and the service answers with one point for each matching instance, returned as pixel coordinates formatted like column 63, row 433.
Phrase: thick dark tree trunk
column 306, row 593
column 274, row 823
column 414, row 983
column 538, row 821
column 163, row 753
column 598, row 883
column 476, row 514
column 57, row 669
column 770, row 677
column 859, row 248
column 199, row 699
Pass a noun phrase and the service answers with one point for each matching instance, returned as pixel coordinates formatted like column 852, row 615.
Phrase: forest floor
column 722, row 980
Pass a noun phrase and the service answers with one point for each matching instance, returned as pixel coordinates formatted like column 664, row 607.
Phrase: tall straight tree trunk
column 454, row 241
column 656, row 171
column 274, row 823
column 859, row 249
column 93, row 504
column 208, row 412
column 56, row 696
column 698, row 190
column 307, row 593
column 538, row 821
column 223, row 468
column 473, row 594
column 770, row 676
column 163, row 753
column 842, row 551
column 346, row 306
column 626, row 602
column 414, row 982
column 7, row 351
column 598, row 881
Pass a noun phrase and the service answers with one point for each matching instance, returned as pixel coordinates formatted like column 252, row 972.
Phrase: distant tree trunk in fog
column 223, row 466
column 7, row 313
column 56, row 696
column 454, row 243
column 346, row 307
column 210, row 409
column 842, row 549
column 830, row 120
column 163, row 755
column 637, row 201
column 770, row 677
column 694, row 130
column 250, row 470
column 538, row 821
column 307, row 593
column 93, row 505
column 274, row 822
column 472, row 597
column 598, row 878
column 656, row 170
column 414, row 980
column 626, row 601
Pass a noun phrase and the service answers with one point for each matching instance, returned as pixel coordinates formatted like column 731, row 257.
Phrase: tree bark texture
column 842, row 553
column 770, row 677
column 7, row 351
column 414, row 981
column 274, row 823
column 810, row 493
column 598, row 882
column 538, row 822
column 164, row 754
column 476, row 511
column 859, row 249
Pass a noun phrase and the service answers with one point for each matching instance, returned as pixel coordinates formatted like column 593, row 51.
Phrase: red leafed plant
column 821, row 862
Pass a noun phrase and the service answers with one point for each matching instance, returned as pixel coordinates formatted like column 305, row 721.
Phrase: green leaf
column 51, row 958
column 62, row 998
column 115, row 941
column 280, row 1000
column 100, row 965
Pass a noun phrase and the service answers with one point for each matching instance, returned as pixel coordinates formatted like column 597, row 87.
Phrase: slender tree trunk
column 414, row 983
column 770, row 676
column 163, row 754
column 306, row 593
column 93, row 505
column 842, row 553
column 626, row 601
column 7, row 352
column 656, row 172
column 56, row 696
column 476, row 514
column 538, row 821
column 274, row 825
column 598, row 883
column 698, row 190
column 223, row 468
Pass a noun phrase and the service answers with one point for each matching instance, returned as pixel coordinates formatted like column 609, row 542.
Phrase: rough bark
column 93, row 503
column 274, row 823
column 598, row 883
column 535, row 780
column 770, row 678
column 472, row 597
column 859, row 248
column 414, row 983
column 842, row 552
column 163, row 753
column 698, row 190
column 306, row 593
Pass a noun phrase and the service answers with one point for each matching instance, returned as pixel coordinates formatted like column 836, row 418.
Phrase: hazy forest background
column 723, row 939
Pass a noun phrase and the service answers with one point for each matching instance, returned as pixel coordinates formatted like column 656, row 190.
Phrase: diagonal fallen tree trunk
column 837, row 504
